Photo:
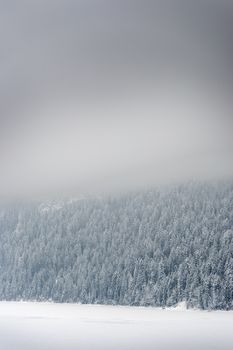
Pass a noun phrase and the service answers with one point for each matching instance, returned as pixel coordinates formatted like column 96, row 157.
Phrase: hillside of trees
column 154, row 247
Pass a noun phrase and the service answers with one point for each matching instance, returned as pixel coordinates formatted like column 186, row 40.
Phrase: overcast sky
column 114, row 95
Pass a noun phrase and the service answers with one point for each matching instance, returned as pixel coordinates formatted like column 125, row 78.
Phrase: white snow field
column 49, row 326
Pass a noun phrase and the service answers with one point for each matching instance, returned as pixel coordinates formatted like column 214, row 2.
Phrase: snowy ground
column 45, row 326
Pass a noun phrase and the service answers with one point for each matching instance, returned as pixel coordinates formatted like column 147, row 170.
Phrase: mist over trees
column 154, row 247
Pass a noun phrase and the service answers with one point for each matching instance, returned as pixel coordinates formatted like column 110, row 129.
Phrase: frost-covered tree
column 154, row 247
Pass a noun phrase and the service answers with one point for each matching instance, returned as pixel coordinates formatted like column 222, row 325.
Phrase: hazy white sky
column 114, row 95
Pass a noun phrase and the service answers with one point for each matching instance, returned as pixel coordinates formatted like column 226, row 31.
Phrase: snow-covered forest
column 153, row 247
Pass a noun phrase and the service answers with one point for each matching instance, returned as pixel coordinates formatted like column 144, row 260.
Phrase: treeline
column 155, row 248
